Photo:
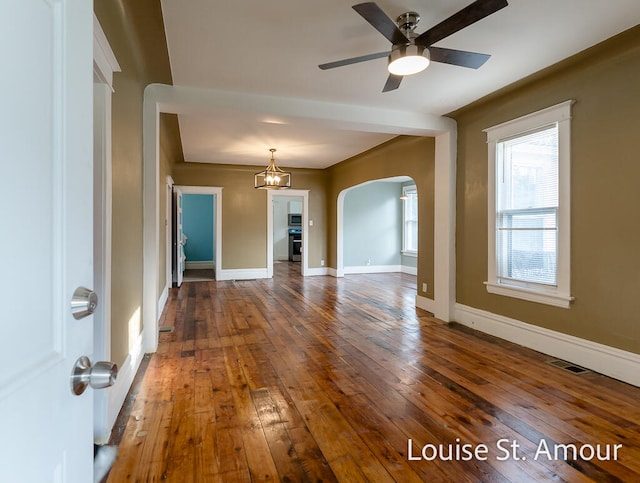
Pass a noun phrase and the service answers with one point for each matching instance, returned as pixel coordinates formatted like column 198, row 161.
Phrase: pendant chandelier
column 272, row 178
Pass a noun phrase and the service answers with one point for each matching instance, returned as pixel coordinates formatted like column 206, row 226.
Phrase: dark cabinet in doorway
column 295, row 244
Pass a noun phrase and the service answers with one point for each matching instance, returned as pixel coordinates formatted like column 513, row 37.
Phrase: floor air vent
column 567, row 366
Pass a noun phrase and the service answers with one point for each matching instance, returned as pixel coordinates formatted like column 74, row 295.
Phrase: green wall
column 605, row 233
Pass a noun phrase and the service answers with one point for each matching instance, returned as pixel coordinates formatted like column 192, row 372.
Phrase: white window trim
column 405, row 251
column 559, row 296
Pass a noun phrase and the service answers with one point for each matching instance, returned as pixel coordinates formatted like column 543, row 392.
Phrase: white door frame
column 304, row 194
column 168, row 240
column 104, row 65
column 216, row 192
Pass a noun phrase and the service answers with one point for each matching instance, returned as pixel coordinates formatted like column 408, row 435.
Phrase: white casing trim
column 600, row 358
column 304, row 194
column 104, row 60
column 560, row 114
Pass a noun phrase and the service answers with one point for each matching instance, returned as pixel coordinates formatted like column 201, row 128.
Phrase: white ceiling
column 271, row 50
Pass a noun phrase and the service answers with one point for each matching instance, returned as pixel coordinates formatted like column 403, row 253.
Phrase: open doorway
column 287, row 235
column 377, row 227
column 196, row 234
column 198, row 222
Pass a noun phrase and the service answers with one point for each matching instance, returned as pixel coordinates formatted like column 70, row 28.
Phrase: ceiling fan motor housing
column 408, row 21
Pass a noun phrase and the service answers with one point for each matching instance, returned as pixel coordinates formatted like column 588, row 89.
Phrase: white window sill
column 539, row 296
column 409, row 253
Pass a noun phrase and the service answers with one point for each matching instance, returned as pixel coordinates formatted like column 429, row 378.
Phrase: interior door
column 46, row 243
column 179, row 238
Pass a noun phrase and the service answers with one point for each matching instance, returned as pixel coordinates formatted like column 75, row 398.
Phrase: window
column 409, row 220
column 529, row 169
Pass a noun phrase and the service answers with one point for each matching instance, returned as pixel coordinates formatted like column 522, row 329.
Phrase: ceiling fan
column 410, row 53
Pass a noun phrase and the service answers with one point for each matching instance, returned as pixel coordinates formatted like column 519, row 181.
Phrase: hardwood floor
column 326, row 379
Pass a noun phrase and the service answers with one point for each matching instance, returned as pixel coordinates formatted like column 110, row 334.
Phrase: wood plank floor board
column 327, row 379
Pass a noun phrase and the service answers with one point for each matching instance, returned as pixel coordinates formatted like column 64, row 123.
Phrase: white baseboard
column 606, row 360
column 243, row 273
column 200, row 265
column 381, row 269
column 313, row 272
column 334, row 272
column 162, row 301
column 117, row 393
column 409, row 270
column 425, row 303
column 373, row 269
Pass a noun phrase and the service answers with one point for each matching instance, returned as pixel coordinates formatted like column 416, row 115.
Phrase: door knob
column 99, row 375
column 83, row 302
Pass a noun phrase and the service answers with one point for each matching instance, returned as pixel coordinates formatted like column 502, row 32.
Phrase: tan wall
column 605, row 199
column 402, row 156
column 132, row 29
column 244, row 210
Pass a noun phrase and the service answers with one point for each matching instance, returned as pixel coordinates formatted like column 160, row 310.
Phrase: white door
column 179, row 239
column 46, row 243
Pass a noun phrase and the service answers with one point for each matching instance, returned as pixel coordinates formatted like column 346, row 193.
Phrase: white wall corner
column 445, row 224
column 151, row 211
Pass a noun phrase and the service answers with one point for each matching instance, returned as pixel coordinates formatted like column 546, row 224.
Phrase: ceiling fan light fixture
column 272, row 178
column 408, row 59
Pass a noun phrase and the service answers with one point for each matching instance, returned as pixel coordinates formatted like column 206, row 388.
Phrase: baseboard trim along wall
column 380, row 269
column 606, row 360
column 318, row 271
column 425, row 303
column 162, row 301
column 126, row 373
column 200, row 265
column 243, row 273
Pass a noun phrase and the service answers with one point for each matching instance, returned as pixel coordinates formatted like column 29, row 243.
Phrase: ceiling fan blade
column 381, row 22
column 473, row 60
column 465, row 17
column 393, row 82
column 354, row 60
